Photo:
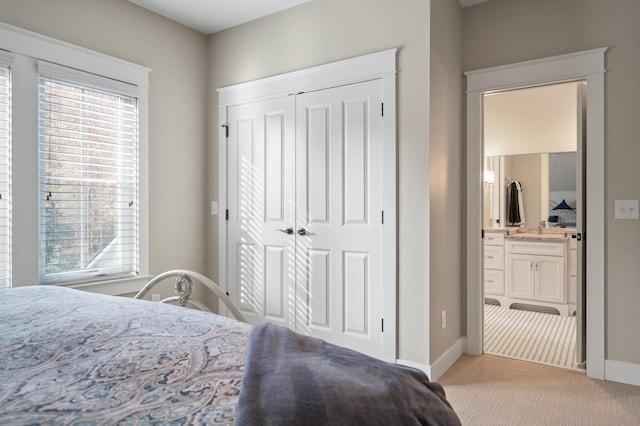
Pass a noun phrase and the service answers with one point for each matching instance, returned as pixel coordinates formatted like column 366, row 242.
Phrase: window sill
column 116, row 287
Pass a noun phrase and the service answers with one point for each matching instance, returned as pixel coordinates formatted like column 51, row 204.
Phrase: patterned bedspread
column 71, row 357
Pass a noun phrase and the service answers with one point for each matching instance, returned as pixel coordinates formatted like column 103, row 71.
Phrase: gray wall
column 447, row 177
column 506, row 31
column 323, row 31
column 177, row 131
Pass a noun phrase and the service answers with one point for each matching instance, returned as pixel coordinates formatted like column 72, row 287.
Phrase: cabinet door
column 550, row 279
column 520, row 276
column 493, row 257
column 494, row 282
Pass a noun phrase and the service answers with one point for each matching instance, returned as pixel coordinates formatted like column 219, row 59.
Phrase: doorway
column 588, row 66
column 533, row 145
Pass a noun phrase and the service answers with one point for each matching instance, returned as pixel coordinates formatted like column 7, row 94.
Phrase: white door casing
column 587, row 65
column 581, row 352
column 278, row 259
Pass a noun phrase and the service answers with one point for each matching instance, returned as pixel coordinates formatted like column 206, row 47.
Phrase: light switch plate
column 214, row 208
column 626, row 209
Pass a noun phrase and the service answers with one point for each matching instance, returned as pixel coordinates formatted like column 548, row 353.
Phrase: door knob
column 303, row 232
column 287, row 231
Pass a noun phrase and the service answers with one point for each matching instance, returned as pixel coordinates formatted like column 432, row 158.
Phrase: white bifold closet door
column 305, row 221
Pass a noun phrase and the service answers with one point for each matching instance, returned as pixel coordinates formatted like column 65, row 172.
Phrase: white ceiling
column 210, row 16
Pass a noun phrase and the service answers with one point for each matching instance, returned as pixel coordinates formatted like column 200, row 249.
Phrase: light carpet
column 490, row 390
column 531, row 336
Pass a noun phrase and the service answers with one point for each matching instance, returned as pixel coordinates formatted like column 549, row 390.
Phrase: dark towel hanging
column 514, row 207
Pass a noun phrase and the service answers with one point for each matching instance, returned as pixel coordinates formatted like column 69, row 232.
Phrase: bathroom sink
column 536, row 236
column 544, row 234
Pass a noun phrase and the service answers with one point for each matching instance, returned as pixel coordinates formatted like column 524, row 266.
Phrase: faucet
column 541, row 225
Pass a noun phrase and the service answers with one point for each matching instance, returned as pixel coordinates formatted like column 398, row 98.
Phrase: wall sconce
column 489, row 177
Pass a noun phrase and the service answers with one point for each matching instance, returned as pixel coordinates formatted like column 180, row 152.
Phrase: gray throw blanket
column 290, row 379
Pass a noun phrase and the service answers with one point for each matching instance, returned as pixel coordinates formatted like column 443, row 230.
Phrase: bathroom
column 532, row 164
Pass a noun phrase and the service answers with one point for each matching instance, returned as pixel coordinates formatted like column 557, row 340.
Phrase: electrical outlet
column 444, row 319
column 155, row 297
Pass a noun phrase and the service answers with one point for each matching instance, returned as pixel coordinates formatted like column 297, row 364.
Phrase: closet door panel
column 260, row 194
column 317, row 296
column 274, row 172
column 355, row 162
column 348, row 134
column 356, row 291
column 275, row 303
column 317, row 165
column 249, row 293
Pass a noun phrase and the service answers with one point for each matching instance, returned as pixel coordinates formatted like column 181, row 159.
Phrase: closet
column 304, row 211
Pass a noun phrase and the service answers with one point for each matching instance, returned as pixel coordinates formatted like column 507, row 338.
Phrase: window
column 88, row 157
column 73, row 166
column 5, row 175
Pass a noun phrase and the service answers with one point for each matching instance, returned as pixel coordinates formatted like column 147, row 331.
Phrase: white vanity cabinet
column 493, row 263
column 536, row 271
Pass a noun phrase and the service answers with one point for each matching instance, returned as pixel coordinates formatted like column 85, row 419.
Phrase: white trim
column 6, row 58
column 588, row 65
column 38, row 46
column 572, row 66
column 425, row 368
column 436, row 370
column 622, row 372
column 354, row 70
column 389, row 229
column 447, row 359
column 381, row 65
column 59, row 71
column 117, row 287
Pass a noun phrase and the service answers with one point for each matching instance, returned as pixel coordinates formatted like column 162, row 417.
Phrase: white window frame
column 73, row 77
column 28, row 48
column 6, row 60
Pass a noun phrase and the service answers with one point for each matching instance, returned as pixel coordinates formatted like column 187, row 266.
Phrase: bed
column 73, row 357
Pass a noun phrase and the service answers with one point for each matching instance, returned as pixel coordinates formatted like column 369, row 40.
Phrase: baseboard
column 622, row 372
column 442, row 364
column 415, row 365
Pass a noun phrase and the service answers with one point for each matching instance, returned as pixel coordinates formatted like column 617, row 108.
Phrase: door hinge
column 382, row 109
column 226, row 130
column 482, row 234
column 382, row 325
column 382, row 215
column 226, row 214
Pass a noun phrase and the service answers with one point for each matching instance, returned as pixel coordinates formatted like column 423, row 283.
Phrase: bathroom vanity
column 530, row 267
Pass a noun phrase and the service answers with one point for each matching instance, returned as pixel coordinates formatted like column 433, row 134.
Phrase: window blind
column 88, row 165
column 5, row 176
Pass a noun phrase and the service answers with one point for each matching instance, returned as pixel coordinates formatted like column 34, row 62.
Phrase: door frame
column 587, row 65
column 380, row 65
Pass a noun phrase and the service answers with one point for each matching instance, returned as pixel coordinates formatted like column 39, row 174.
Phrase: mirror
column 548, row 183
